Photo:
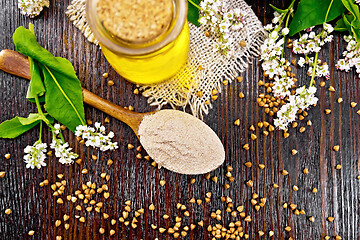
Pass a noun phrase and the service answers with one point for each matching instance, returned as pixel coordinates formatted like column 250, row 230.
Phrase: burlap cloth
column 205, row 70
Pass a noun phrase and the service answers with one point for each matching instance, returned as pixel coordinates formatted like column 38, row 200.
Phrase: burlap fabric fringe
column 205, row 70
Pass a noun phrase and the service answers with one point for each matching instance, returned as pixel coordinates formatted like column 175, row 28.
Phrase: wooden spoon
column 201, row 161
column 17, row 64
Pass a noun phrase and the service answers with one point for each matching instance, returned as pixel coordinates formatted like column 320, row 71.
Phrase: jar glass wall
column 141, row 55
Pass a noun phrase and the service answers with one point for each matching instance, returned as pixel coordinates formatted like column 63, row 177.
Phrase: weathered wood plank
column 136, row 180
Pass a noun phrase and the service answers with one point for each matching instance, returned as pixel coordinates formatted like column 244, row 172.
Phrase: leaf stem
column 60, row 134
column 328, row 10
column 40, row 131
column 41, row 113
column 287, row 12
column 312, row 81
column 291, row 4
column 286, row 25
column 357, row 46
column 195, row 5
column 280, row 22
column 55, row 138
column 32, row 29
column 314, row 69
column 44, row 119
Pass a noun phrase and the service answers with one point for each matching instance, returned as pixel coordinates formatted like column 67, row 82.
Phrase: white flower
column 57, row 128
column 285, row 31
column 32, row 8
column 303, row 98
column 63, row 152
column 222, row 21
column 35, row 157
column 274, row 67
column 328, row 27
column 111, row 134
column 352, row 56
column 276, row 14
column 96, row 137
column 268, row 27
column 328, row 38
column 310, row 43
column 301, row 62
column 202, row 20
column 348, row 38
column 97, row 125
column 274, row 35
column 275, row 20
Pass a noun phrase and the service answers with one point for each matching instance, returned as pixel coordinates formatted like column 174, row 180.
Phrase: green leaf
column 354, row 20
column 36, row 86
column 17, row 126
column 341, row 26
column 64, row 100
column 355, row 23
column 356, row 33
column 50, row 118
column 25, row 43
column 347, row 21
column 352, row 7
column 193, row 13
column 278, row 9
column 312, row 12
column 33, row 117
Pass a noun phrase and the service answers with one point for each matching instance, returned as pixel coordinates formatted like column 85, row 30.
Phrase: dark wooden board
column 35, row 208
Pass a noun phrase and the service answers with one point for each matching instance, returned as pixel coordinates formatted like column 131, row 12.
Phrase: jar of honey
column 145, row 41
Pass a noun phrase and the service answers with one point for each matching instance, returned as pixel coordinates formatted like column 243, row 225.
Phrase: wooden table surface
column 34, row 208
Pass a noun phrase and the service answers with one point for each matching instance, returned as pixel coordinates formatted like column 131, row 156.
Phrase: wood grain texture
column 132, row 179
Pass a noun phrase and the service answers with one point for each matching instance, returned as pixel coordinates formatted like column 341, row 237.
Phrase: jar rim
column 175, row 28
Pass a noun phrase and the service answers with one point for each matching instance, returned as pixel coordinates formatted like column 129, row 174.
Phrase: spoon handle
column 14, row 63
column 17, row 64
column 131, row 118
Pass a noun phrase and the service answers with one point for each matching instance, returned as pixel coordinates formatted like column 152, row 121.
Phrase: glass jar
column 141, row 56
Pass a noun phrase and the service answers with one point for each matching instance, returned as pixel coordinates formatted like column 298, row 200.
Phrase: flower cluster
column 310, row 42
column 63, row 152
column 96, row 137
column 35, row 155
column 274, row 65
column 221, row 22
column 303, row 98
column 32, row 8
column 322, row 69
column 352, row 56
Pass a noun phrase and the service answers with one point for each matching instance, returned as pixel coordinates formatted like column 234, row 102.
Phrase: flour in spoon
column 180, row 142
